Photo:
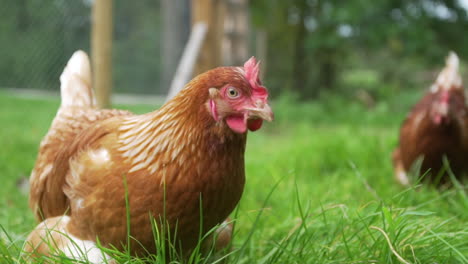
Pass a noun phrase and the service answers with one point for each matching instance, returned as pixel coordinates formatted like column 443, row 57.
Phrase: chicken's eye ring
column 232, row 93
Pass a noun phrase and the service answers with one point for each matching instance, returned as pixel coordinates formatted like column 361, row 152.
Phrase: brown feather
column 75, row 114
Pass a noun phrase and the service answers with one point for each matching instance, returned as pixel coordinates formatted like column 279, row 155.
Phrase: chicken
column 183, row 163
column 435, row 128
column 77, row 111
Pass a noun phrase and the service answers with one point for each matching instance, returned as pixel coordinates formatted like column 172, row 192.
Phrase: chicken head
column 241, row 105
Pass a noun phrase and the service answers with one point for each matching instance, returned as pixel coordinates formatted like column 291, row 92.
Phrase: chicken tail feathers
column 449, row 77
column 75, row 82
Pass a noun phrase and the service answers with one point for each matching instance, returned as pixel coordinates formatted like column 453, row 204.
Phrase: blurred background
column 309, row 48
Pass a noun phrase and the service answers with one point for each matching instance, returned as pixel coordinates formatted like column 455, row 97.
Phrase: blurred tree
column 314, row 46
column 311, row 42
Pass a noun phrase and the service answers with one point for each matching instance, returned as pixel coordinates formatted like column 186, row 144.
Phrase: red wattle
column 254, row 124
column 237, row 124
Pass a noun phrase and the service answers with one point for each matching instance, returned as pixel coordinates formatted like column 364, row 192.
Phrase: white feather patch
column 79, row 203
column 449, row 77
column 84, row 250
column 99, row 156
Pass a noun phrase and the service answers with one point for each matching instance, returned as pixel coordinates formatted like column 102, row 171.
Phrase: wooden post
column 236, row 31
column 101, row 50
column 175, row 31
column 210, row 12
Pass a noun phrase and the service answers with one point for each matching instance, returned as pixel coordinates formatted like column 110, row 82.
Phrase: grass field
column 319, row 188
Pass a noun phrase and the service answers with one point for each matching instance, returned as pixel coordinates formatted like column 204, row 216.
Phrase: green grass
column 319, row 188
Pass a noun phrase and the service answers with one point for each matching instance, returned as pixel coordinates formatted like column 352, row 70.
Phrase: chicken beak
column 263, row 112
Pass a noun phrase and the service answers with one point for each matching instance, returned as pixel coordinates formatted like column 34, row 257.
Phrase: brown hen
column 435, row 128
column 183, row 163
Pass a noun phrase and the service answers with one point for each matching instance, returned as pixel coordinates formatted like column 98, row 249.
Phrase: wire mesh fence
column 37, row 37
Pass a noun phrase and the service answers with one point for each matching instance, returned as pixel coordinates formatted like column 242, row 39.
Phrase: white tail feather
column 75, row 82
column 449, row 77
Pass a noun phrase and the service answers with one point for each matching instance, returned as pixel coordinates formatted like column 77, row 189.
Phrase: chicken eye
column 232, row 92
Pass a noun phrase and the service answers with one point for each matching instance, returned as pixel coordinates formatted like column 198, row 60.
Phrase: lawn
column 319, row 188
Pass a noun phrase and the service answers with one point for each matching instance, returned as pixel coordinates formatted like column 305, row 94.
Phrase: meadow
column 320, row 187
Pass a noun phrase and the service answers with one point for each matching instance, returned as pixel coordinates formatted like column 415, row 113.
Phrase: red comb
column 252, row 70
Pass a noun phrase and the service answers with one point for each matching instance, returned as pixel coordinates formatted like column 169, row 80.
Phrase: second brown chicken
column 435, row 129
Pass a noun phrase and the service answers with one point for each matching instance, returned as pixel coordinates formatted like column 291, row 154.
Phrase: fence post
column 236, row 31
column 101, row 50
column 210, row 12
column 175, row 31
